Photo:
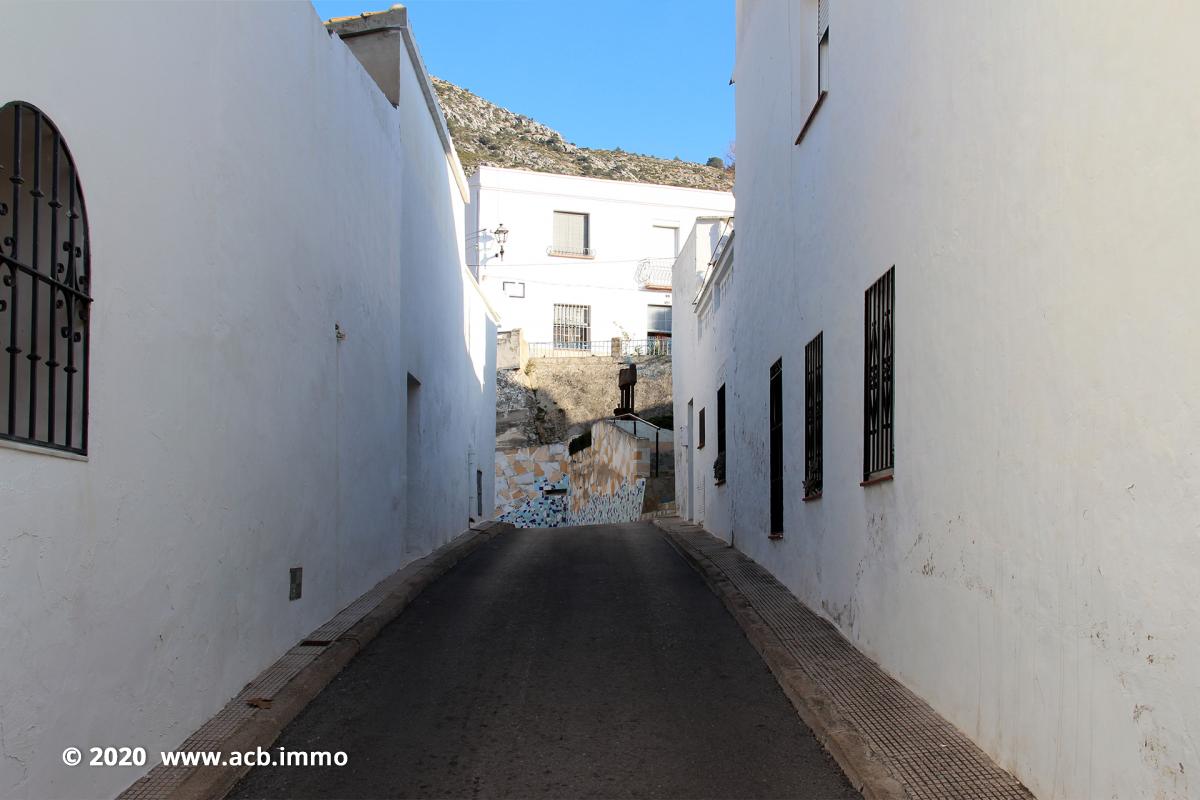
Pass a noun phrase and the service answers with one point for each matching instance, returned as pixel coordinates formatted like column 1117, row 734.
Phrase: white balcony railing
column 654, row 273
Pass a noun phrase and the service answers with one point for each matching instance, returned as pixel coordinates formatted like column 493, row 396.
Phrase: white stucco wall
column 623, row 216
column 1033, row 177
column 703, row 352
column 245, row 182
column 452, row 345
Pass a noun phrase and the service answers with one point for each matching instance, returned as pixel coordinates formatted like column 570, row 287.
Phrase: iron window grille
column 572, row 327
column 700, row 430
column 878, row 415
column 719, row 463
column 813, row 416
column 777, row 447
column 45, row 282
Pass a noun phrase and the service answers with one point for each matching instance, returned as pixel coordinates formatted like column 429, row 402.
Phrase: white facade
column 702, row 356
column 1033, row 176
column 628, row 225
column 248, row 188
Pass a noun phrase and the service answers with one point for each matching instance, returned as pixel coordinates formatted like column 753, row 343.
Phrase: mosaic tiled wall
column 608, row 479
column 521, row 474
column 623, row 505
column 543, row 510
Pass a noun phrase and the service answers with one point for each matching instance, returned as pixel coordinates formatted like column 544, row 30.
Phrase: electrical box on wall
column 295, row 582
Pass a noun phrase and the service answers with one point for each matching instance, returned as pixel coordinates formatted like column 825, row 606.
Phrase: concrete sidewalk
column 890, row 742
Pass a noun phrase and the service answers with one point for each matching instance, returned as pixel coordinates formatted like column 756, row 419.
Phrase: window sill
column 775, row 537
column 557, row 254
column 42, row 451
column 878, row 477
column 719, row 483
column 811, row 116
column 811, row 497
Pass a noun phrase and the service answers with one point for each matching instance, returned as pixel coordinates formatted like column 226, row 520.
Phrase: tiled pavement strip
column 923, row 753
column 214, row 735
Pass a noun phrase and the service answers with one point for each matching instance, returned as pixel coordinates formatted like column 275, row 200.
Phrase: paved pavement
column 891, row 739
column 580, row 662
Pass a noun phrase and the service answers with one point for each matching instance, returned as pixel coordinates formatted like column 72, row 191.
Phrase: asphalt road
column 579, row 662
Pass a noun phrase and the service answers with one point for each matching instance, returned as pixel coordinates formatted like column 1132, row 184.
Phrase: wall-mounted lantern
column 501, row 234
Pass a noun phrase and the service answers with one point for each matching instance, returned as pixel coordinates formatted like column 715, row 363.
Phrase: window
column 719, row 464
column 822, row 65
column 479, row 493
column 658, row 319
column 513, row 288
column 813, row 422
column 777, row 447
column 822, row 47
column 45, row 286
column 658, row 329
column 572, row 235
column 572, row 327
column 700, row 431
column 878, row 455
column 664, row 242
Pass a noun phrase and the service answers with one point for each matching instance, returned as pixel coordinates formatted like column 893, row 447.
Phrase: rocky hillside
column 489, row 135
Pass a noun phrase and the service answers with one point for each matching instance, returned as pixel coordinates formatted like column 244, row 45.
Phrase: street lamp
column 501, row 234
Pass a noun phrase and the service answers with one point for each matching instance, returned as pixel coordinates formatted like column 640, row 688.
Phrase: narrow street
column 581, row 662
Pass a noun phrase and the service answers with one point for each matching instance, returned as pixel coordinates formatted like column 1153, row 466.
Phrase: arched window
column 45, row 286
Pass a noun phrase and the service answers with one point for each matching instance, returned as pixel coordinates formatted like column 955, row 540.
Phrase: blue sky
column 649, row 76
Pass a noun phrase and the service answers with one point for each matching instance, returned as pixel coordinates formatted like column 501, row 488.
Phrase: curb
column 265, row 725
column 839, row 737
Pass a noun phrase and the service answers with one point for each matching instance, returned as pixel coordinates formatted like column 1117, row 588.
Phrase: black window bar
column 878, row 445
column 813, row 417
column 777, row 447
column 45, row 275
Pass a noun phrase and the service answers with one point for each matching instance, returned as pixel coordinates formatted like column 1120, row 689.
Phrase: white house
column 702, row 356
column 574, row 261
column 965, row 327
column 234, row 279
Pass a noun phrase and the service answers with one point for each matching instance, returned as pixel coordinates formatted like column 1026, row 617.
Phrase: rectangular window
column 700, row 431
column 571, row 234
column 658, row 320
column 665, row 242
column 479, row 493
column 719, row 465
column 879, row 321
column 823, row 64
column 572, row 327
column 813, row 422
column 777, row 447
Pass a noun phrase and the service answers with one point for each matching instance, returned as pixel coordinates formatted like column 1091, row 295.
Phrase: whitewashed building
column 574, row 261
column 703, row 355
column 239, row 339
column 964, row 330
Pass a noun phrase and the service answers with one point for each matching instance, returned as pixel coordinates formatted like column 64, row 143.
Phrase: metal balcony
column 654, row 273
